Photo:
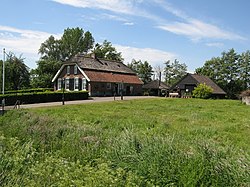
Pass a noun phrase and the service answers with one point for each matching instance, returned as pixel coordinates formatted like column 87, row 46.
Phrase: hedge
column 33, row 90
column 43, row 97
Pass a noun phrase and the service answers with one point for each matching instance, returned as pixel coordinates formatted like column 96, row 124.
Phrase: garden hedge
column 43, row 97
column 33, row 90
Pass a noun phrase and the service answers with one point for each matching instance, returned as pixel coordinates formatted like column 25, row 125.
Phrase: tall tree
column 41, row 76
column 73, row 41
column 107, row 51
column 229, row 71
column 17, row 71
column 174, row 71
column 50, row 49
column 143, row 69
column 244, row 69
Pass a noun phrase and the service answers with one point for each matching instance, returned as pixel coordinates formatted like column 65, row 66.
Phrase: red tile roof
column 98, row 76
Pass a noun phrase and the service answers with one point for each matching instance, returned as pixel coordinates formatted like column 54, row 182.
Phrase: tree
column 174, row 71
column 107, row 51
column 73, row 41
column 41, row 76
column 143, row 69
column 158, row 70
column 230, row 72
column 50, row 49
column 202, row 91
column 244, row 70
column 17, row 73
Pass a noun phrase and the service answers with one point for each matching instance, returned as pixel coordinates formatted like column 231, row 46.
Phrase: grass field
column 152, row 142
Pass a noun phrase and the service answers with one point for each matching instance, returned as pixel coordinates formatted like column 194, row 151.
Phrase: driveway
column 90, row 100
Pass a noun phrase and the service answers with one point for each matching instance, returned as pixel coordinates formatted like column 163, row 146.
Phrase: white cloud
column 215, row 44
column 153, row 56
column 190, row 27
column 128, row 7
column 128, row 23
column 197, row 30
column 194, row 28
column 26, row 42
column 118, row 6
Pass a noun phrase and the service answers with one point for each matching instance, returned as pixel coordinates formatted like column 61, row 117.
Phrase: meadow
column 151, row 142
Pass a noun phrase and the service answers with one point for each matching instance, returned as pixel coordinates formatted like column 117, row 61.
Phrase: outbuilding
column 189, row 82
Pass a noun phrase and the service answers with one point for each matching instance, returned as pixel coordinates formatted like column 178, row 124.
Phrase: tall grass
column 153, row 142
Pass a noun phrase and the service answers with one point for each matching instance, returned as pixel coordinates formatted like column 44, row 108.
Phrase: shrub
column 33, row 90
column 43, row 97
column 202, row 91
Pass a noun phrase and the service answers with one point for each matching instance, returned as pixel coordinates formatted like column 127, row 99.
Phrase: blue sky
column 191, row 31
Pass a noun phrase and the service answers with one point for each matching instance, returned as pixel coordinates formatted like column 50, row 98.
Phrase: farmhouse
column 155, row 86
column 187, row 84
column 99, row 77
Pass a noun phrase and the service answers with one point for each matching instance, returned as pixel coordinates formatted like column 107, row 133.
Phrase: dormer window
column 68, row 70
column 75, row 69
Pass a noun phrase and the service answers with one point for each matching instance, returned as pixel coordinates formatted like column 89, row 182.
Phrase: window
column 75, row 69
column 108, row 86
column 68, row 70
column 84, row 84
column 76, row 83
column 59, row 84
column 67, row 83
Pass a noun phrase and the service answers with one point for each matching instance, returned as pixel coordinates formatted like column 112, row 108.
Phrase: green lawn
column 151, row 142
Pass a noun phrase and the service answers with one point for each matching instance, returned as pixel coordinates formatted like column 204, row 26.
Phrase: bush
column 203, row 91
column 43, row 97
column 34, row 90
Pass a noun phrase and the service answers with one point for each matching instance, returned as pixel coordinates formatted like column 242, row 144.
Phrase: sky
column 190, row 31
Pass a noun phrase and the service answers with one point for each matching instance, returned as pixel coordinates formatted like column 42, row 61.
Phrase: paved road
column 90, row 100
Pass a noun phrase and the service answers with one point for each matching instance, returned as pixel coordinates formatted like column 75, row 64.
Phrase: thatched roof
column 190, row 79
column 92, row 63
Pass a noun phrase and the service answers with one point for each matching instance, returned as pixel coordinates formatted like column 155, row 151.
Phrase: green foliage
column 73, row 41
column 202, row 91
column 50, row 49
column 21, row 164
column 16, row 73
column 42, row 76
column 143, row 69
column 43, row 97
column 244, row 69
column 180, row 143
column 34, row 90
column 107, row 51
column 230, row 72
column 174, row 71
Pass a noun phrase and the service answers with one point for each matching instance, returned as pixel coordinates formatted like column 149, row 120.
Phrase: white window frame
column 68, row 70
column 76, row 84
column 67, row 84
column 84, row 84
column 75, row 69
column 59, row 84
